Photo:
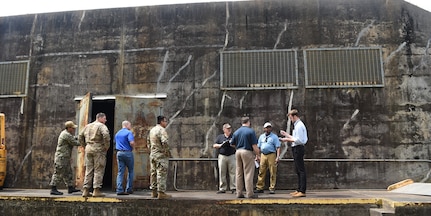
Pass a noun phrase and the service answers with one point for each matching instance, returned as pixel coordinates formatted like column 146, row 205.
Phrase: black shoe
column 272, row 192
column 122, row 193
column 240, row 196
column 254, row 196
column 54, row 191
column 72, row 190
column 233, row 191
column 258, row 191
column 221, row 191
column 130, row 192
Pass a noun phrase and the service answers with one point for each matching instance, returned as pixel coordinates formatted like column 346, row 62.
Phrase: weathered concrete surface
column 174, row 49
column 322, row 202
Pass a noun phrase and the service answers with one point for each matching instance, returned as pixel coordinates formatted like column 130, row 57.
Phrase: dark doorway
column 107, row 107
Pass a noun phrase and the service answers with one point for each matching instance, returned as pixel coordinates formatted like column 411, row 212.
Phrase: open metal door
column 84, row 117
column 142, row 113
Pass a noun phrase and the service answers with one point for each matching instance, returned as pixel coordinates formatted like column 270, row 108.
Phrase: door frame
column 84, row 116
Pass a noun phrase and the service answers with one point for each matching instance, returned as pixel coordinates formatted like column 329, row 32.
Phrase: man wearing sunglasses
column 269, row 147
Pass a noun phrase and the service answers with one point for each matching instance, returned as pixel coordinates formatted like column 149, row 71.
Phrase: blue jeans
column 125, row 159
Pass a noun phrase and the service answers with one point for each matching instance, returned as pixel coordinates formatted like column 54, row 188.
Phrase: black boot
column 72, row 189
column 54, row 191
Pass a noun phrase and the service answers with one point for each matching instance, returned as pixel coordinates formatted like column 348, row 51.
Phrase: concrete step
column 381, row 212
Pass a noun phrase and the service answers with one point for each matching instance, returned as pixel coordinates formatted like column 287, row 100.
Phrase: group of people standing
column 95, row 138
column 238, row 156
column 241, row 152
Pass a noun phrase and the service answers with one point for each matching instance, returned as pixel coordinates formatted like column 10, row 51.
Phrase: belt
column 227, row 154
column 269, row 153
column 123, row 150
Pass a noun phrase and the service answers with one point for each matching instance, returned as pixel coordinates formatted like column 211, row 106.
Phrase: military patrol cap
column 70, row 124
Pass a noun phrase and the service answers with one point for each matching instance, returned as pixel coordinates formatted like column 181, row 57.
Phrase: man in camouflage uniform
column 62, row 168
column 159, row 157
column 96, row 139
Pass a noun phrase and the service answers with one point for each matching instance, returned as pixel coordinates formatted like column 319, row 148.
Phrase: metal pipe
column 192, row 159
column 318, row 160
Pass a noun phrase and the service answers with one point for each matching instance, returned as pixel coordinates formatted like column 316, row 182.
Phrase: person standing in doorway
column 269, row 147
column 96, row 139
column 226, row 160
column 62, row 169
column 159, row 158
column 124, row 143
column 247, row 152
column 298, row 140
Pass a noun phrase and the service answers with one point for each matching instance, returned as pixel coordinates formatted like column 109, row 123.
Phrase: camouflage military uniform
column 62, row 170
column 96, row 139
column 159, row 156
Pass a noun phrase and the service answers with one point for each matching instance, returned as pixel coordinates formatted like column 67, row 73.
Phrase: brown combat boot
column 163, row 195
column 97, row 193
column 154, row 194
column 85, row 192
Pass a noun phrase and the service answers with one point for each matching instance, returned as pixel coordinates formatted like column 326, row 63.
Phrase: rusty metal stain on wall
column 142, row 113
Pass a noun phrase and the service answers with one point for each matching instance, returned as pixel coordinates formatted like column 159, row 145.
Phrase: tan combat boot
column 154, row 194
column 97, row 193
column 163, row 195
column 85, row 192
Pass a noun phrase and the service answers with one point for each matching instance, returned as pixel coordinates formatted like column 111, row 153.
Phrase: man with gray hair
column 124, row 143
column 226, row 159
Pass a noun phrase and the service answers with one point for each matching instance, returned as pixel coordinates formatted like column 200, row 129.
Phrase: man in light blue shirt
column 298, row 139
column 269, row 147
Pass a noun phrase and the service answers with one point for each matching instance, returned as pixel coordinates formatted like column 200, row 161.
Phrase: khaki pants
column 244, row 171
column 95, row 163
column 226, row 165
column 267, row 161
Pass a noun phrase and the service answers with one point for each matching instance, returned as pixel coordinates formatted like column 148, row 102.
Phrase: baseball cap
column 267, row 125
column 226, row 125
column 70, row 124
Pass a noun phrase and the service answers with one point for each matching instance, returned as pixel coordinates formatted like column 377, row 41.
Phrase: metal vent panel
column 13, row 78
column 347, row 67
column 265, row 69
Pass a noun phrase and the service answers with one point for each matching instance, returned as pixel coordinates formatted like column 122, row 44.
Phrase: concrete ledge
column 25, row 202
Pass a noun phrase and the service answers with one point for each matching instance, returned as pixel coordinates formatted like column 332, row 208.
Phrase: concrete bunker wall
column 175, row 49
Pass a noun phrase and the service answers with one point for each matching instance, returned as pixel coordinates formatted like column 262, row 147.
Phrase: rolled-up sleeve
column 300, row 134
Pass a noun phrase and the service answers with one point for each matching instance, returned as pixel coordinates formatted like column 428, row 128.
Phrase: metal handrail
column 317, row 159
column 305, row 159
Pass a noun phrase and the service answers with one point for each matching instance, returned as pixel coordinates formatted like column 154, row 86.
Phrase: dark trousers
column 298, row 159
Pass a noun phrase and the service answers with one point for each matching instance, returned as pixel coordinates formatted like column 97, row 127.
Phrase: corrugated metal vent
column 262, row 69
column 340, row 68
column 13, row 78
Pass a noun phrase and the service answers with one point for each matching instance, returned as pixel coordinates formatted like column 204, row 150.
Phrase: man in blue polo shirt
column 245, row 141
column 124, row 143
